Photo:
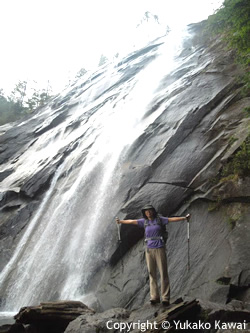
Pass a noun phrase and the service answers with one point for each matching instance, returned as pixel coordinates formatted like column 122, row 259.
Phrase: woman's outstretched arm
column 177, row 219
column 118, row 221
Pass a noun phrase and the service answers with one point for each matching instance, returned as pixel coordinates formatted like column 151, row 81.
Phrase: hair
column 149, row 207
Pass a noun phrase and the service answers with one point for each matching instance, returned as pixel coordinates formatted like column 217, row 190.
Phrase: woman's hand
column 188, row 217
column 118, row 220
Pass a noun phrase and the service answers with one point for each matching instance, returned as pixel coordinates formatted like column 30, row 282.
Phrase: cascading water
column 59, row 249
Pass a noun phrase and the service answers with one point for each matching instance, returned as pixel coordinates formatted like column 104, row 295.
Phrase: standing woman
column 155, row 253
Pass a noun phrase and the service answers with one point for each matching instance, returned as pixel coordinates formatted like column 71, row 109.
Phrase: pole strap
column 153, row 238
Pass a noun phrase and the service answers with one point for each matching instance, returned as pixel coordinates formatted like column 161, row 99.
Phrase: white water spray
column 58, row 252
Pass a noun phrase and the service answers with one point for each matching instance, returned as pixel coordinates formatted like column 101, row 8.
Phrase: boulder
column 51, row 317
column 160, row 319
column 98, row 322
column 75, row 317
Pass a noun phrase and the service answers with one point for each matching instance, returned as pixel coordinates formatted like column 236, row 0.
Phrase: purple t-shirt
column 153, row 229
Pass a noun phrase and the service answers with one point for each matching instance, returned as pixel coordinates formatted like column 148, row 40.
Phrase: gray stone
column 52, row 316
column 186, row 144
column 98, row 322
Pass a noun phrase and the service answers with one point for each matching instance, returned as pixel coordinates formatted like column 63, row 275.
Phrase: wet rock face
column 195, row 153
column 195, row 112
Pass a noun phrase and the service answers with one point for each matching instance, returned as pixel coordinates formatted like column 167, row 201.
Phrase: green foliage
column 9, row 109
column 18, row 93
column 247, row 111
column 231, row 222
column 37, row 99
column 215, row 205
column 245, row 92
column 239, row 164
column 232, row 140
column 102, row 60
column 18, row 104
column 233, row 21
column 81, row 73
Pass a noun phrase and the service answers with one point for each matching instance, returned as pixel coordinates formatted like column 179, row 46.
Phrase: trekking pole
column 188, row 239
column 120, row 242
column 119, row 230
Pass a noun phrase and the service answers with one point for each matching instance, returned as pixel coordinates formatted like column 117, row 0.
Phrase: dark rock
column 51, row 317
column 97, row 322
column 220, row 295
column 195, row 111
column 227, row 316
column 139, row 53
column 5, row 174
column 5, row 328
column 136, row 321
column 210, row 259
column 55, row 122
column 234, row 190
column 8, row 196
column 38, row 183
column 18, row 328
column 15, row 140
column 17, row 221
column 13, row 224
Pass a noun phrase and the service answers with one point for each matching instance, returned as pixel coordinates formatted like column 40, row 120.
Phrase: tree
column 233, row 20
column 18, row 104
column 81, row 73
column 18, row 93
column 38, row 98
column 103, row 60
column 9, row 110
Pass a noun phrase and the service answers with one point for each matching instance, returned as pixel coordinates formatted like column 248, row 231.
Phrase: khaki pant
column 157, row 258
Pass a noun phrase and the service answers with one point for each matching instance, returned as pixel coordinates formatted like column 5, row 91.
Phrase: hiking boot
column 154, row 301
column 165, row 303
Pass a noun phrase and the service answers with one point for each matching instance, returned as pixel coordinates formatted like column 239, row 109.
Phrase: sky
column 52, row 40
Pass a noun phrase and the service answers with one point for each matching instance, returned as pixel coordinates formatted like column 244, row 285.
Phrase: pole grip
column 188, row 244
column 119, row 231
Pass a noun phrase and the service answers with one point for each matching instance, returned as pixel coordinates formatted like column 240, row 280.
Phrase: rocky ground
column 75, row 317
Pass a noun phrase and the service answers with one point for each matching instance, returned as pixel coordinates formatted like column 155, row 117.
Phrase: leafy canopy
column 233, row 20
column 19, row 103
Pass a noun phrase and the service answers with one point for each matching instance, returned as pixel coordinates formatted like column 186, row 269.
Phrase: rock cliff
column 195, row 126
column 208, row 126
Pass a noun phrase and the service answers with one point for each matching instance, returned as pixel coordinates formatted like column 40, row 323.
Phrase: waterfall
column 59, row 250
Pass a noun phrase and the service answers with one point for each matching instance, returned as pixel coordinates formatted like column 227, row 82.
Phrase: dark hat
column 147, row 207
